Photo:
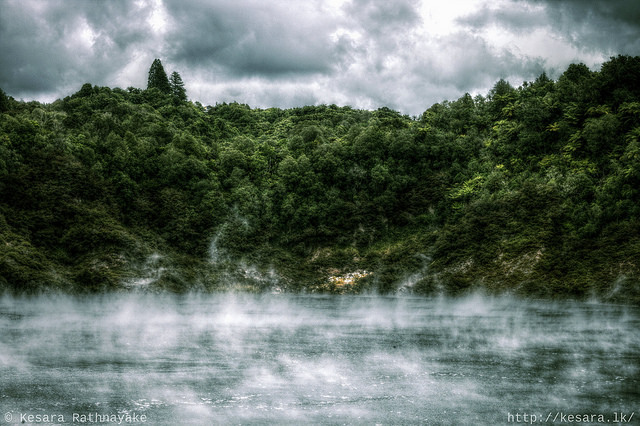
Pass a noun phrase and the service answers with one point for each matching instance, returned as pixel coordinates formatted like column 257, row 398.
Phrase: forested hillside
column 534, row 189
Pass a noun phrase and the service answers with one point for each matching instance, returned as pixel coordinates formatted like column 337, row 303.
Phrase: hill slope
column 532, row 189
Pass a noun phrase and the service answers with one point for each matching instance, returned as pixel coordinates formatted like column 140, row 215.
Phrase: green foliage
column 177, row 86
column 4, row 102
column 158, row 78
column 533, row 189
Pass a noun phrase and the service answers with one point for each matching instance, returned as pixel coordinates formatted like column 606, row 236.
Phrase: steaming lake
column 242, row 359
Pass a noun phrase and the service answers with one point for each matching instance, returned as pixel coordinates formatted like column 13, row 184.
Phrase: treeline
column 533, row 189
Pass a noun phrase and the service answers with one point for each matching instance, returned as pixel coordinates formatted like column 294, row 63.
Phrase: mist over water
column 292, row 359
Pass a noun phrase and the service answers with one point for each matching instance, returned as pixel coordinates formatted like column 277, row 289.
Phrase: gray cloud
column 380, row 17
column 52, row 46
column 471, row 63
column 249, row 37
column 608, row 26
column 415, row 81
column 612, row 26
column 363, row 53
column 619, row 11
column 518, row 19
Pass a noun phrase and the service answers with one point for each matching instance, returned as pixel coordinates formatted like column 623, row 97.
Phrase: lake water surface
column 283, row 359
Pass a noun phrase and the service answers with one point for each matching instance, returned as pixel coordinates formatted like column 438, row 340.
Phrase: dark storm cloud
column 385, row 30
column 48, row 46
column 381, row 16
column 610, row 26
column 249, row 37
column 517, row 19
column 612, row 11
column 400, row 67
column 405, row 54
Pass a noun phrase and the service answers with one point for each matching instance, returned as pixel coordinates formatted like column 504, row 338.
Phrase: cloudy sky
column 404, row 54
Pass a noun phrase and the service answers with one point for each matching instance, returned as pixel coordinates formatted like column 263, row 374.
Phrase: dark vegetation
column 534, row 190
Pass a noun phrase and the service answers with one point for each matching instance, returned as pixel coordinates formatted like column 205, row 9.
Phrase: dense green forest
column 533, row 190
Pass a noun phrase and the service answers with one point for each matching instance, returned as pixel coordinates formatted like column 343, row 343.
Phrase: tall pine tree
column 177, row 86
column 4, row 101
column 158, row 78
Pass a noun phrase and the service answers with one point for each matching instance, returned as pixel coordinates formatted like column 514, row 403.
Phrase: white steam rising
column 237, row 358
